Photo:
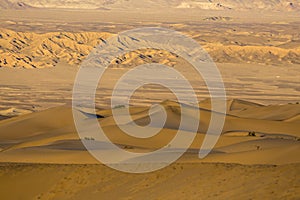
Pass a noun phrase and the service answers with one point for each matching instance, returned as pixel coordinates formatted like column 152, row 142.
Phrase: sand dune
column 273, row 112
column 24, row 138
column 294, row 119
column 43, row 157
column 11, row 112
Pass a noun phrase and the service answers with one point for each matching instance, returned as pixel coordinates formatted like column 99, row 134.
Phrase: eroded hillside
column 32, row 50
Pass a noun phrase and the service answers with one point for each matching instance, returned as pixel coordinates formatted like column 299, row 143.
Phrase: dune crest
column 261, row 138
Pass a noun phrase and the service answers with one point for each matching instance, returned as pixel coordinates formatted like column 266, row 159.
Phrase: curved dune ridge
column 32, row 50
column 252, row 134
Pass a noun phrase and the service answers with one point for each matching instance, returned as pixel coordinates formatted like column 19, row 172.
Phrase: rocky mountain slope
column 287, row 5
column 6, row 4
column 32, row 50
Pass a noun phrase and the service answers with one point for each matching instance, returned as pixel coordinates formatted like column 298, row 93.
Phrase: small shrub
column 128, row 147
column 119, row 106
column 89, row 138
column 252, row 133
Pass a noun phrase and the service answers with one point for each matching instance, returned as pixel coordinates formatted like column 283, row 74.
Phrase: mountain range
column 288, row 5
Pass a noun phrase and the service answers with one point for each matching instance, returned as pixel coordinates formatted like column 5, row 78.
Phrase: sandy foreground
column 178, row 181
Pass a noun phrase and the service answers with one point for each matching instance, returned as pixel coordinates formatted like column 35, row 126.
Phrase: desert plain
column 257, row 51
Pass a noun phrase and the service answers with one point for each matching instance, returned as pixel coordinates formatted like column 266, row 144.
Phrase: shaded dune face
column 273, row 137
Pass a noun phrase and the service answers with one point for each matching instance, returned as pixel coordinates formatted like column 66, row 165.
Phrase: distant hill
column 287, row 5
column 280, row 5
column 32, row 50
column 6, row 4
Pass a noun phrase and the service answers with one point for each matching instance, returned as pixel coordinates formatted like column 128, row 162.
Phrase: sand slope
column 178, row 181
column 51, row 132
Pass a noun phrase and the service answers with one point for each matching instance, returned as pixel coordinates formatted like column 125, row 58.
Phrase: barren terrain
column 256, row 47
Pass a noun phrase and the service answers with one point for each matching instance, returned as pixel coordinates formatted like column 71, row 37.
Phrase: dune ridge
column 264, row 137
